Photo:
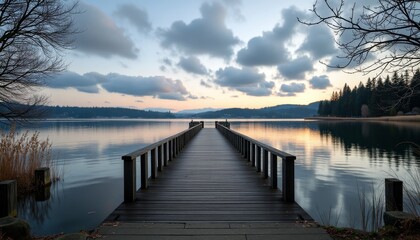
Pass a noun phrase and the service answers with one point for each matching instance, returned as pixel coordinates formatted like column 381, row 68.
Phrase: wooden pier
column 216, row 185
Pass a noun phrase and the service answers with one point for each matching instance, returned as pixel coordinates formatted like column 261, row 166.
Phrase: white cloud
column 291, row 89
column 207, row 35
column 246, row 80
column 100, row 36
column 270, row 48
column 156, row 86
column 136, row 16
column 320, row 82
column 296, row 69
column 192, row 65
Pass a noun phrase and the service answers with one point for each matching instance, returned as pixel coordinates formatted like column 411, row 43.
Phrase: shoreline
column 409, row 118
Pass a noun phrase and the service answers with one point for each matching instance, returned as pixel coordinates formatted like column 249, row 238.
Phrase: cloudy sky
column 191, row 54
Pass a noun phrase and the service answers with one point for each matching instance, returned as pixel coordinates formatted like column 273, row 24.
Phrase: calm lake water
column 336, row 163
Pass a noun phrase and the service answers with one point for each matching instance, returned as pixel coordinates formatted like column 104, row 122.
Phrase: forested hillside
column 399, row 94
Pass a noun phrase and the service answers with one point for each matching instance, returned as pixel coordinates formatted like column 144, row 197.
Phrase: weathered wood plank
column 209, row 181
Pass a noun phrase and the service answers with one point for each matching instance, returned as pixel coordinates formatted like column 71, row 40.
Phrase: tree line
column 398, row 94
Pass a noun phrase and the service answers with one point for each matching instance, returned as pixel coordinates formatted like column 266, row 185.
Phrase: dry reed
column 20, row 155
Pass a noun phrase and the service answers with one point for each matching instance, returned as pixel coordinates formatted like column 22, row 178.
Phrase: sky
column 191, row 54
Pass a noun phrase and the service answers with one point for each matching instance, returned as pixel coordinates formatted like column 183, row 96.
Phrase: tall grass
column 371, row 208
column 20, row 155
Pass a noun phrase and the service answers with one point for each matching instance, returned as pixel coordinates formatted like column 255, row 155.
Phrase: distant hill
column 279, row 111
column 102, row 112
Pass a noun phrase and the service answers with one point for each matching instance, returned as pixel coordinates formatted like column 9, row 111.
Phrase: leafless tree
column 33, row 36
column 375, row 37
column 384, row 36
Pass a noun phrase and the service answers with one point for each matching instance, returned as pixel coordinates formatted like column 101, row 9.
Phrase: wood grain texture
column 209, row 181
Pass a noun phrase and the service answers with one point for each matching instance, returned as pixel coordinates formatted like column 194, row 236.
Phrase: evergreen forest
column 395, row 95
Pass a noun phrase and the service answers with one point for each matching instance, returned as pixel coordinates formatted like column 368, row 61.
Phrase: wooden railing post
column 248, row 151
column 129, row 179
column 253, row 154
column 170, row 150
column 159, row 159
column 153, row 163
column 265, row 164
column 165, row 154
column 288, row 178
column 273, row 179
column 258, row 154
column 258, row 160
column 393, row 194
column 144, row 175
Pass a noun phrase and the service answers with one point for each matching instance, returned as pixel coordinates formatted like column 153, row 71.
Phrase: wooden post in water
column 42, row 177
column 159, row 159
column 265, row 164
column 258, row 160
column 273, row 179
column 393, row 194
column 129, row 179
column 153, row 163
column 144, row 175
column 8, row 198
column 288, row 178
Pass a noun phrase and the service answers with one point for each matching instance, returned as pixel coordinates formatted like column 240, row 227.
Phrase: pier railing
column 259, row 155
column 160, row 153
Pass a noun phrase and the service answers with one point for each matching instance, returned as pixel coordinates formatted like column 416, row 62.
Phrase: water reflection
column 338, row 160
column 88, row 158
column 334, row 162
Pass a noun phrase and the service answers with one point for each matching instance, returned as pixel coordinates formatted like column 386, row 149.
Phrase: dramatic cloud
column 100, row 36
column 160, row 87
column 291, row 89
column 269, row 49
column 136, row 16
column 296, row 68
column 246, row 80
column 157, row 86
column 192, row 65
column 67, row 80
column 262, row 51
column 320, row 82
column 206, row 35
column 319, row 42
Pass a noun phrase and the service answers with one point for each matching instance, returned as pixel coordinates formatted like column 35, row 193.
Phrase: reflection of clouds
column 336, row 160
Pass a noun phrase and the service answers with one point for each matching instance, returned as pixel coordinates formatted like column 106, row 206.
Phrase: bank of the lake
column 404, row 118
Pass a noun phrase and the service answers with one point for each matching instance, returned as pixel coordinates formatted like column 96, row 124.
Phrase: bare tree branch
column 33, row 35
column 389, row 32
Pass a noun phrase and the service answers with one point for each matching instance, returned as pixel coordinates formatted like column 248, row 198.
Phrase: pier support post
column 273, row 179
column 42, row 177
column 144, row 176
column 129, row 179
column 288, row 178
column 8, row 198
column 393, row 194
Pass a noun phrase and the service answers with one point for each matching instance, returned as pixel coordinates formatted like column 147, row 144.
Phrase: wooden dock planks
column 208, row 183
